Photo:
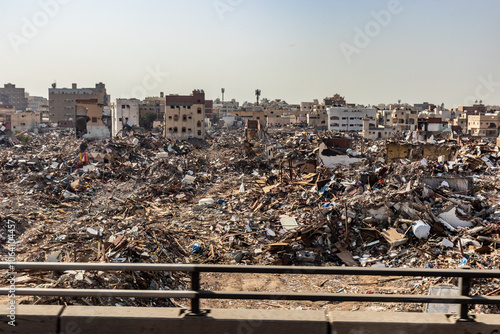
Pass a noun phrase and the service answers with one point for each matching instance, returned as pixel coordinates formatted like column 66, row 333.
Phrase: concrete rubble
column 292, row 197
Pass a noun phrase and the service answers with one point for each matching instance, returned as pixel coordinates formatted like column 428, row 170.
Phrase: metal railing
column 464, row 276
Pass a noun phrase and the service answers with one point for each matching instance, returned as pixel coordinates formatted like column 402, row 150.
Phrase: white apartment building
column 124, row 111
column 349, row 118
column 225, row 107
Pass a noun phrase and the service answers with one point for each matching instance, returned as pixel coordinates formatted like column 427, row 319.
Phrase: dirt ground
column 313, row 284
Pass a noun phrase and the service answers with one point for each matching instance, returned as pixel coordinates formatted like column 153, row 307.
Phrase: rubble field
column 285, row 197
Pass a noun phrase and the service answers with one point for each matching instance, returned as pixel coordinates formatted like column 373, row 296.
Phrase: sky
column 369, row 51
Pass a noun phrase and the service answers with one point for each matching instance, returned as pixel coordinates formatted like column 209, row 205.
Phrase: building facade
column 37, row 104
column 486, row 125
column 91, row 122
column 373, row 132
column 6, row 112
column 62, row 101
column 185, row 116
column 10, row 95
column 124, row 112
column 223, row 108
column 346, row 119
column 26, row 120
column 155, row 105
column 404, row 119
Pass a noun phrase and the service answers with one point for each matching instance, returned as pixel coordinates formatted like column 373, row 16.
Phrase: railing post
column 195, row 286
column 464, row 289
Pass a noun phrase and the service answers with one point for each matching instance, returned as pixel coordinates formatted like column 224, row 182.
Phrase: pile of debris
column 290, row 198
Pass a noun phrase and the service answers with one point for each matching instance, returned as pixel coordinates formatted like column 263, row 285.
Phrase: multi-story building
column 318, row 119
column 280, row 120
column 209, row 108
column 335, row 101
column 26, row 120
column 470, row 110
column 124, row 111
column 6, row 112
column 349, row 118
column 405, row 119
column 10, row 95
column 307, row 107
column 486, row 125
column 223, row 108
column 424, row 106
column 385, row 117
column 433, row 127
column 155, row 105
column 37, row 103
column 461, row 122
column 374, row 132
column 91, row 122
column 185, row 116
column 62, row 101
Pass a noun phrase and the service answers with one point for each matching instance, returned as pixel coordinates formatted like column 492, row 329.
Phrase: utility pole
column 257, row 94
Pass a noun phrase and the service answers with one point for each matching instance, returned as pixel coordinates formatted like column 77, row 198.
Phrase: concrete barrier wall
column 402, row 323
column 31, row 319
column 110, row 320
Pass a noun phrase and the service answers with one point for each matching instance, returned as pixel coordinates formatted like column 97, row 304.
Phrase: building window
column 183, row 129
column 184, row 118
column 199, row 111
column 175, row 129
column 169, row 129
column 189, row 130
column 199, row 132
column 123, row 106
column 176, row 118
column 189, row 107
column 94, row 119
column 169, row 117
column 198, row 124
column 172, row 107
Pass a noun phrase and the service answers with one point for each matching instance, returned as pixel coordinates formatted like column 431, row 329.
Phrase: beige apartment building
column 62, row 101
column 404, row 120
column 185, row 116
column 486, row 125
column 153, row 104
column 91, row 121
column 6, row 112
column 26, row 120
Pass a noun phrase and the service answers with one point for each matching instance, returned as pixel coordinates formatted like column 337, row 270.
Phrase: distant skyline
column 370, row 51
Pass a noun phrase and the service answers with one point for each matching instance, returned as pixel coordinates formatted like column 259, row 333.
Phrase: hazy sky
column 368, row 51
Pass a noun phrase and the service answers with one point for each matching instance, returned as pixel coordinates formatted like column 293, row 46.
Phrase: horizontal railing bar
column 254, row 295
column 101, row 293
column 306, row 270
column 54, row 266
column 351, row 297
